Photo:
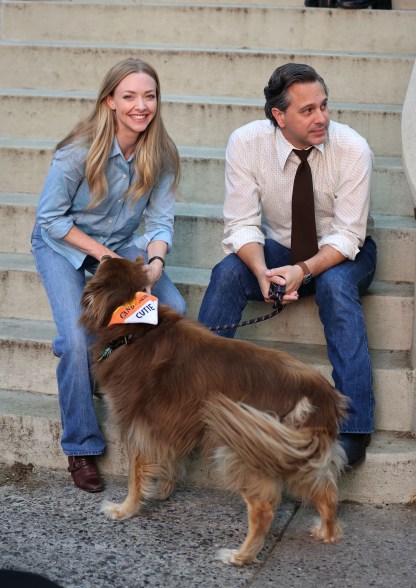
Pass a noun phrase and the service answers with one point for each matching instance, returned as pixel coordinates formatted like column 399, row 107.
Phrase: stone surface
column 49, row 527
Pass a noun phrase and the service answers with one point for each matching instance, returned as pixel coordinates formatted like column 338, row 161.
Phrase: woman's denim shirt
column 66, row 195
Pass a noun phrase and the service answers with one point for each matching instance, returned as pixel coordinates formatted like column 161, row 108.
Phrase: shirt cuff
column 344, row 245
column 241, row 237
column 58, row 229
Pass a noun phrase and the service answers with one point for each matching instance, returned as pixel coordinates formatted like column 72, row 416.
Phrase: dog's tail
column 263, row 443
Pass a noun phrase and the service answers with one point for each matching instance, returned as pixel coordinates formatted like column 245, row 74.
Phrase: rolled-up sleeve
column 242, row 207
column 351, row 201
column 159, row 212
column 64, row 177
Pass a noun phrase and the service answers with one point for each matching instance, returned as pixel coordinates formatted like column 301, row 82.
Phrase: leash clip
column 276, row 293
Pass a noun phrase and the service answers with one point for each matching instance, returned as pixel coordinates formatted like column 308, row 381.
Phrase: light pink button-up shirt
column 260, row 169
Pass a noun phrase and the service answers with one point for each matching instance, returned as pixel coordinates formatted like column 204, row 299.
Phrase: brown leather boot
column 84, row 473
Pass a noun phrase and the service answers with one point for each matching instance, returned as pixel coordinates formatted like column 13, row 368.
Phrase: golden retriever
column 268, row 420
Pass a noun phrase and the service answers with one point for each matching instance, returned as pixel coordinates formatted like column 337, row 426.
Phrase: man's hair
column 276, row 91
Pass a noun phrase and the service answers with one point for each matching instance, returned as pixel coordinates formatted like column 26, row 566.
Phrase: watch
column 307, row 276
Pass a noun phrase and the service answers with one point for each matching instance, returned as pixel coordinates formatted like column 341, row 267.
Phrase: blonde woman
column 112, row 169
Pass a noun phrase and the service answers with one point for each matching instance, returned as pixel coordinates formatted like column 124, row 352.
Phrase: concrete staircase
column 213, row 60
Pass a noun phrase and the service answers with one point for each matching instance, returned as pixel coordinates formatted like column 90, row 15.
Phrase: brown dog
column 267, row 419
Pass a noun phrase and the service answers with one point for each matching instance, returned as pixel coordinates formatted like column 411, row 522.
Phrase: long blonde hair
column 155, row 151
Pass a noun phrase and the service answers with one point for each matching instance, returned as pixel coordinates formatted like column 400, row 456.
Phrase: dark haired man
column 261, row 166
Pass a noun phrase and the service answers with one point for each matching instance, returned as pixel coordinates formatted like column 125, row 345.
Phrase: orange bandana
column 142, row 309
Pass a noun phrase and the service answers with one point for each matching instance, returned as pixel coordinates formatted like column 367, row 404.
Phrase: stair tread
column 184, row 150
column 62, row 45
column 41, row 331
column 207, row 99
column 197, row 276
column 212, row 211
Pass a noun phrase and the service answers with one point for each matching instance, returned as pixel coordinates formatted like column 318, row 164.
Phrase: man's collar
column 284, row 148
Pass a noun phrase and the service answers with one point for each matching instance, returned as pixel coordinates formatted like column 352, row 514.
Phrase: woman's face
column 134, row 101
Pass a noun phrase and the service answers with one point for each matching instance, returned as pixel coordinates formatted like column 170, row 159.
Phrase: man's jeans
column 64, row 285
column 337, row 293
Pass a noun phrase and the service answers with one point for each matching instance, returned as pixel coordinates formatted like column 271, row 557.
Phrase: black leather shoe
column 355, row 445
column 320, row 3
column 375, row 4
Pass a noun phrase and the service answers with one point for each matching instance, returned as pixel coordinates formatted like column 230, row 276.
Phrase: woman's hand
column 154, row 272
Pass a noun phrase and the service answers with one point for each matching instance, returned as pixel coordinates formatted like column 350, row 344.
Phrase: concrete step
column 388, row 306
column 199, row 232
column 27, row 363
column 212, row 26
column 237, row 72
column 204, row 121
column 31, row 431
column 27, row 161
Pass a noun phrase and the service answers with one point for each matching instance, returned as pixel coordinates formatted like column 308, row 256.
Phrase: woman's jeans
column 64, row 285
column 337, row 294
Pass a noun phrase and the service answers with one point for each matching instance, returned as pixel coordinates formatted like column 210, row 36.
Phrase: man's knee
column 227, row 270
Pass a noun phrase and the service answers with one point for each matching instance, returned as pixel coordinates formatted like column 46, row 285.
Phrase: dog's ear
column 94, row 311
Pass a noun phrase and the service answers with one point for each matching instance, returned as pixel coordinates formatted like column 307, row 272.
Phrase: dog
column 267, row 419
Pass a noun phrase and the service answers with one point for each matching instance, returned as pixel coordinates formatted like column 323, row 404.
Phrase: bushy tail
column 263, row 442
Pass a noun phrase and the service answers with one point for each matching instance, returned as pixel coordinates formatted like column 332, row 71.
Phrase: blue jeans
column 64, row 284
column 337, row 294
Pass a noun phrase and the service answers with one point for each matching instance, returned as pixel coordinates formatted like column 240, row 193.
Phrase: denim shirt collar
column 115, row 150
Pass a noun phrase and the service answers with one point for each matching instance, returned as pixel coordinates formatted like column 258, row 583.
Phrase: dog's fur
column 267, row 419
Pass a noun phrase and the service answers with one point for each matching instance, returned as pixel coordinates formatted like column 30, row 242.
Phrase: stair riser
column 36, row 440
column 206, row 235
column 189, row 123
column 32, row 368
column 227, row 73
column 202, row 179
column 211, row 26
column 28, row 365
column 388, row 317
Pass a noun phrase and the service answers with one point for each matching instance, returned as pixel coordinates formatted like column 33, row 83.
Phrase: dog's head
column 115, row 282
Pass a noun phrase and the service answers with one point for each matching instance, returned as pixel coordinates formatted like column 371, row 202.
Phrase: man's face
column 305, row 121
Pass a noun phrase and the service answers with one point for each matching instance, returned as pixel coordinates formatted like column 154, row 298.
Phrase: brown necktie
column 304, row 242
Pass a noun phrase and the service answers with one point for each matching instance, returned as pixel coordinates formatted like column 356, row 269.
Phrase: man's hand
column 280, row 276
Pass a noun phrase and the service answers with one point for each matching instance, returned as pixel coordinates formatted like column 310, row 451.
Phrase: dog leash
column 276, row 293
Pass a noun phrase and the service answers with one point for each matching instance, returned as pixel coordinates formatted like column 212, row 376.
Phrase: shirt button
column 124, row 176
column 110, row 221
column 119, row 200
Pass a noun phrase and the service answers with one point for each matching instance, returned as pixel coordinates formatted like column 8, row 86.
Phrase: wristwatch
column 307, row 276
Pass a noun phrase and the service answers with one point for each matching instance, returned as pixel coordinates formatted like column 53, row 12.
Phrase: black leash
column 276, row 293
column 123, row 340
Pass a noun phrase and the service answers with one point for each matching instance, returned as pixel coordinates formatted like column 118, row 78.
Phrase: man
column 260, row 172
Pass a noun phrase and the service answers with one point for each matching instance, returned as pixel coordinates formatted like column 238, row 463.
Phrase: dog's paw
column 325, row 534
column 115, row 511
column 226, row 556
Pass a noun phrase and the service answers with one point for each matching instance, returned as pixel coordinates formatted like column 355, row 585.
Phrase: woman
column 114, row 167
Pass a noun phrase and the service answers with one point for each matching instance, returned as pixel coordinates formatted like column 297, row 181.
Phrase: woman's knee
column 72, row 343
